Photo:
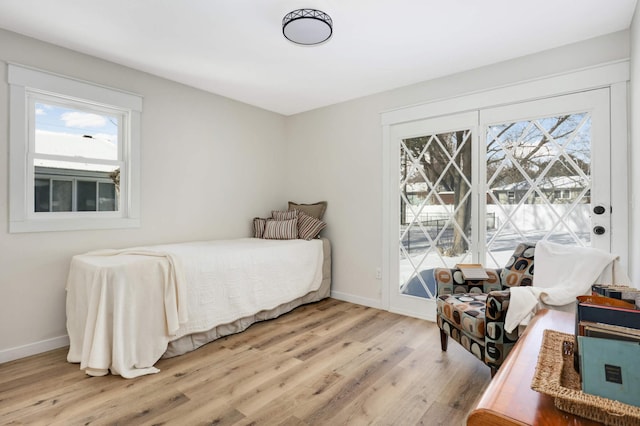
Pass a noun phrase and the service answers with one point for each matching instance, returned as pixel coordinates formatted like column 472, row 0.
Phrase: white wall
column 209, row 165
column 335, row 153
column 634, row 169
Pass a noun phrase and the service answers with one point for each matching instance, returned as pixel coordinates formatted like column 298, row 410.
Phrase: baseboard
column 364, row 301
column 373, row 303
column 11, row 354
column 408, row 313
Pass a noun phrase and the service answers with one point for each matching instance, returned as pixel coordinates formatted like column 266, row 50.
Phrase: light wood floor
column 329, row 363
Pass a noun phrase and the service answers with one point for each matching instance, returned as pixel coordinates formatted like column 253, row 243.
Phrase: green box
column 610, row 368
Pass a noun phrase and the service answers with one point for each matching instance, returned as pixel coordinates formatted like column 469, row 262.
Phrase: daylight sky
column 53, row 118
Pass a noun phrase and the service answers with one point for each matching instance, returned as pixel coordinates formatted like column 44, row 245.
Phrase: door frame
column 615, row 76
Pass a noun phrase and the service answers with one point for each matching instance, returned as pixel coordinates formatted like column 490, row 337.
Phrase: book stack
column 622, row 292
column 608, row 337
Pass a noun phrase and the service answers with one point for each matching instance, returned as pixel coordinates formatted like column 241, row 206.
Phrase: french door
column 466, row 188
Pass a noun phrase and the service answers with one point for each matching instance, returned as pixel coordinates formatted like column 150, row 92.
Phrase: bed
column 126, row 309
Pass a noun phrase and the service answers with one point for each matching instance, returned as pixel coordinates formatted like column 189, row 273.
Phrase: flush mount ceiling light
column 307, row 26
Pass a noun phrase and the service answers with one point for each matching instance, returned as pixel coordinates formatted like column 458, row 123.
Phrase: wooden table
column 509, row 399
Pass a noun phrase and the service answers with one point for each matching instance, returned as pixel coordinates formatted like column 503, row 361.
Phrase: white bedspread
column 125, row 306
column 561, row 274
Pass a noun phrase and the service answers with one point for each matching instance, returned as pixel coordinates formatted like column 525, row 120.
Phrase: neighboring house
column 79, row 186
column 64, row 190
column 557, row 190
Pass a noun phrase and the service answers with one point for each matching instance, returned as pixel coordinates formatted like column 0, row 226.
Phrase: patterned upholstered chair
column 473, row 312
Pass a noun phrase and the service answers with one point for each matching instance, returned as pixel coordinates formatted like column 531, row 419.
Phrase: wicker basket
column 555, row 376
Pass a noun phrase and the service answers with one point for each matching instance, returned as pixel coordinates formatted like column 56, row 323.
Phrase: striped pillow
column 258, row 227
column 309, row 227
column 281, row 229
column 284, row 215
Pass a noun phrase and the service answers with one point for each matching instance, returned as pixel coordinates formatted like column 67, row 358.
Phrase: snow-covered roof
column 550, row 183
column 70, row 145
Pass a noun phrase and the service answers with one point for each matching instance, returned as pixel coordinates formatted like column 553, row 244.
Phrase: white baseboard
column 413, row 314
column 11, row 354
column 373, row 303
column 364, row 301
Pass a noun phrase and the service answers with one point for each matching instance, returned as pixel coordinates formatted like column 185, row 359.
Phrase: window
column 74, row 154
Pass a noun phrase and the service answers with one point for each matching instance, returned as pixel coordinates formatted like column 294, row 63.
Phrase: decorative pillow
column 314, row 210
column 309, row 227
column 284, row 215
column 519, row 268
column 281, row 229
column 258, row 227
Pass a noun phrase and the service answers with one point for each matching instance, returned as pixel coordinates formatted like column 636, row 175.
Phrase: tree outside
column 544, row 161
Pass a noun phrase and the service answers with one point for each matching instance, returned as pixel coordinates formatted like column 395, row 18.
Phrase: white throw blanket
column 175, row 286
column 561, row 274
column 125, row 306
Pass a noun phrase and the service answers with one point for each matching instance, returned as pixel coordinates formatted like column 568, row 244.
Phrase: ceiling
column 235, row 48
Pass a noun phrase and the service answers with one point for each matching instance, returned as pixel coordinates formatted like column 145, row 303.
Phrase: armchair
column 473, row 312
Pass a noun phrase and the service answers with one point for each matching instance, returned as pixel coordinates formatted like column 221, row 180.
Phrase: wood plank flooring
column 328, row 363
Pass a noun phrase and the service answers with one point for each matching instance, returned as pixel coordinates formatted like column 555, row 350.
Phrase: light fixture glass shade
column 307, row 26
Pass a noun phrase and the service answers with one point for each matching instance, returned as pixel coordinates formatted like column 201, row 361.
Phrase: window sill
column 53, row 225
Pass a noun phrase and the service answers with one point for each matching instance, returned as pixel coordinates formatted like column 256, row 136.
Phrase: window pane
column 538, row 180
column 106, row 197
column 435, row 207
column 42, row 192
column 86, row 196
column 61, row 198
column 87, row 193
column 75, row 133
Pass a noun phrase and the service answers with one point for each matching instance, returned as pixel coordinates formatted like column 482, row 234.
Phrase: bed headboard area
column 303, row 221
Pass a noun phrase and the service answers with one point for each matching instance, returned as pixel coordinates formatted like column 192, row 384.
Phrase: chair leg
column 494, row 370
column 444, row 339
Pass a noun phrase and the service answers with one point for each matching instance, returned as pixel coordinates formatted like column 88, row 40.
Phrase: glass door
column 467, row 188
column 432, row 205
column 547, row 173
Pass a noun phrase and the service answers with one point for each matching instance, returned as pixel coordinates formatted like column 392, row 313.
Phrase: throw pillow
column 281, row 229
column 284, row 215
column 258, row 227
column 314, row 210
column 309, row 227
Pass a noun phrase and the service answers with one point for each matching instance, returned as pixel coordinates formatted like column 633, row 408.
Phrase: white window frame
column 27, row 84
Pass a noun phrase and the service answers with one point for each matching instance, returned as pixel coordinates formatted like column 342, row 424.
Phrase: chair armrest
column 498, row 343
column 497, row 305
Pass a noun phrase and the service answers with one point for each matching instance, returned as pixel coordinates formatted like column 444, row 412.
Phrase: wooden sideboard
column 509, row 399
